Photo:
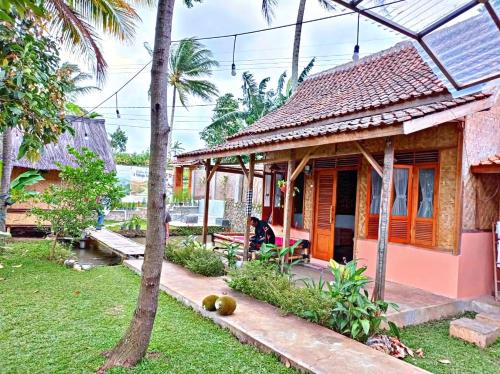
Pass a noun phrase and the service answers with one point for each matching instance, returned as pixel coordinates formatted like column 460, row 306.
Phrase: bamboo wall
column 481, row 140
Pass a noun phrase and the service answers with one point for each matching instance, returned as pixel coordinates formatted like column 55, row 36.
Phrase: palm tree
column 76, row 81
column 189, row 62
column 132, row 347
column 268, row 7
column 177, row 147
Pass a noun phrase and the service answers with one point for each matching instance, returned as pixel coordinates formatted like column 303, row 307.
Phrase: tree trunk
column 383, row 226
column 6, row 174
column 296, row 44
column 171, row 133
column 132, row 347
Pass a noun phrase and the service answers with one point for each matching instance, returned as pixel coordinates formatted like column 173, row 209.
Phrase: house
column 328, row 144
column 89, row 133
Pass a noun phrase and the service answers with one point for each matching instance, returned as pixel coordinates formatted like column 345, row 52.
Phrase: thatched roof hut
column 89, row 133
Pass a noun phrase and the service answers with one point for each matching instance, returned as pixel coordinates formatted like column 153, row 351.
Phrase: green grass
column 56, row 320
column 434, row 339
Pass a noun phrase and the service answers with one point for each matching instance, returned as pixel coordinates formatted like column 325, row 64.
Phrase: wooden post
column 178, row 182
column 383, row 227
column 251, row 170
column 207, row 199
column 190, row 182
column 287, row 216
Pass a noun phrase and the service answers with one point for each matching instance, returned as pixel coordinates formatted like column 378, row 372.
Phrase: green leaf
column 365, row 324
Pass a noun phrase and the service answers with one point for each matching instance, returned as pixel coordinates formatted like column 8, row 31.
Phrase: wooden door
column 324, row 223
column 278, row 200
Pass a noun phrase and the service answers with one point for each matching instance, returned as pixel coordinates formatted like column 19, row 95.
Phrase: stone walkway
column 296, row 342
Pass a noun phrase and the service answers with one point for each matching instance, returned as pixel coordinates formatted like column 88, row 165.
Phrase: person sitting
column 263, row 234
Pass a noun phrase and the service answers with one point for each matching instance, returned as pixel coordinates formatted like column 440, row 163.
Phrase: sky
column 265, row 54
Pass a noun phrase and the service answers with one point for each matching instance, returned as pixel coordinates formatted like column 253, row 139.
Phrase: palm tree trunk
column 171, row 133
column 132, row 347
column 6, row 174
column 296, row 44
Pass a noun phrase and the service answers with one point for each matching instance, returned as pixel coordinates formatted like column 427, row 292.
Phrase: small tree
column 119, row 140
column 71, row 206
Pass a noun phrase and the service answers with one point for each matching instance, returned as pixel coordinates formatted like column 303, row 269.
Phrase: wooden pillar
column 178, row 182
column 383, row 227
column 207, row 199
column 287, row 214
column 190, row 182
column 249, row 201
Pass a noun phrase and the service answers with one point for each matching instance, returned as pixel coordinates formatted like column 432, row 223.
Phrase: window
column 413, row 201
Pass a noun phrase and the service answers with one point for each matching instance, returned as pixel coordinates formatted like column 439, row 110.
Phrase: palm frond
column 232, row 116
column 305, row 72
column 263, row 85
column 199, row 88
column 281, row 83
column 327, row 4
column 268, row 9
column 76, row 34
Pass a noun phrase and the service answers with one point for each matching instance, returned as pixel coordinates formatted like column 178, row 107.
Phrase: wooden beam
column 242, row 165
column 251, row 169
column 287, row 216
column 308, row 142
column 204, row 233
column 375, row 165
column 435, row 119
column 213, row 169
column 302, row 164
column 383, row 226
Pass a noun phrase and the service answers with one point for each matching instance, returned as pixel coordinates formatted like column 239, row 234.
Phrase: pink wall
column 468, row 275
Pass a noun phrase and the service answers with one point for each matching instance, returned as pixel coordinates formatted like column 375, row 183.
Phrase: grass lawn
column 434, row 339
column 56, row 320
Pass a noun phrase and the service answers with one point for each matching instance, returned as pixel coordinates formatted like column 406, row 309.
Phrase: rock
column 479, row 333
column 69, row 263
column 77, row 267
column 493, row 319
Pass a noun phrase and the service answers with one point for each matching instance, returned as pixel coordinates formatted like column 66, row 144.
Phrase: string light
column 233, row 66
column 116, row 104
column 355, row 55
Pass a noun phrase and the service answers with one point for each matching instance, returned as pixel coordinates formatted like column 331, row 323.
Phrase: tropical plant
column 270, row 252
column 119, row 140
column 177, row 148
column 230, row 251
column 70, row 207
column 77, row 79
column 268, row 7
column 32, row 95
column 354, row 314
column 132, row 159
column 18, row 190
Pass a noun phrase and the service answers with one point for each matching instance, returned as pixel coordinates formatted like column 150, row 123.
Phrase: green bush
column 342, row 305
column 193, row 230
column 193, row 255
column 264, row 282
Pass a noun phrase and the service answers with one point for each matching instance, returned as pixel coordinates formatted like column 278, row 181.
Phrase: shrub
column 193, row 255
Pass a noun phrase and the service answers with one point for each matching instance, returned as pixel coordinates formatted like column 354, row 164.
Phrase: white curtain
column 400, row 206
column 426, row 183
column 375, row 192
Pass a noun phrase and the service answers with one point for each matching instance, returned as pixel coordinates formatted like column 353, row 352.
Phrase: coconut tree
column 132, row 347
column 268, row 7
column 177, row 147
column 189, row 63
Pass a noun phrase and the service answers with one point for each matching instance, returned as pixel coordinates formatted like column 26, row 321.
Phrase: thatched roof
column 96, row 140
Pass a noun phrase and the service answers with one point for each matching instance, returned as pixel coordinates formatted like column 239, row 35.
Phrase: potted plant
column 282, row 187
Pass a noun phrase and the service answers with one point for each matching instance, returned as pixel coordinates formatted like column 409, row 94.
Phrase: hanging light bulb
column 116, row 105
column 355, row 55
column 233, row 66
column 86, row 136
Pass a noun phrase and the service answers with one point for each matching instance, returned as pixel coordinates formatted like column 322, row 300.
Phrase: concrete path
column 117, row 243
column 298, row 343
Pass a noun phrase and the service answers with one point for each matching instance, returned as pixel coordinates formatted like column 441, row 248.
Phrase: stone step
column 479, row 333
column 492, row 319
column 487, row 305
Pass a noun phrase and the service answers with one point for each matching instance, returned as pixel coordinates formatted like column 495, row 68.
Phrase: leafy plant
column 136, row 221
column 230, row 251
column 18, row 186
column 270, row 252
column 354, row 314
column 192, row 254
column 71, row 206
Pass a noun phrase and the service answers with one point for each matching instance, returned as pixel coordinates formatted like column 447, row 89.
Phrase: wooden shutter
column 424, row 229
column 399, row 226
column 325, row 198
column 372, row 219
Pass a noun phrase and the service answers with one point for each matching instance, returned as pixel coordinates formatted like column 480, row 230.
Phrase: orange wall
column 467, row 275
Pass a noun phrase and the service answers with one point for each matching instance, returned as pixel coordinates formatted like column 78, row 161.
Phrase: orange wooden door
column 324, row 224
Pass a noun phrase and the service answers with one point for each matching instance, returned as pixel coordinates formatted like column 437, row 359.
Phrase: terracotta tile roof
column 490, row 161
column 386, row 78
column 384, row 89
column 389, row 118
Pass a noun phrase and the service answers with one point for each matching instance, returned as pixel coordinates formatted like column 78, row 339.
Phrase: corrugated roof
column 97, row 141
column 384, row 89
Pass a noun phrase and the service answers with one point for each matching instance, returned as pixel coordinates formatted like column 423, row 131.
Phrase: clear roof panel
column 414, row 15
column 461, row 37
column 468, row 46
